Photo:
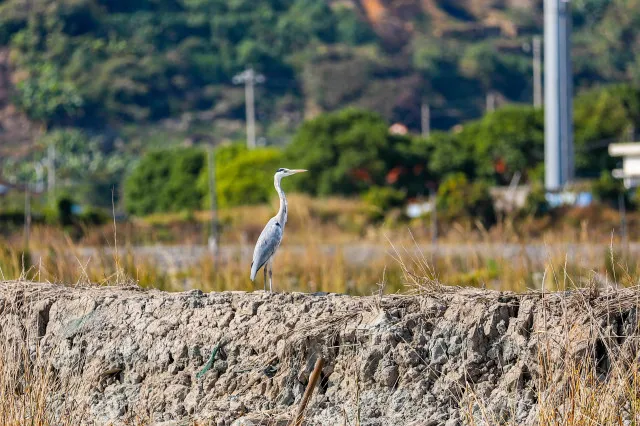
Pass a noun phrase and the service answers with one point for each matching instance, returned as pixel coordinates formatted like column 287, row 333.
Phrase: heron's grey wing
column 267, row 244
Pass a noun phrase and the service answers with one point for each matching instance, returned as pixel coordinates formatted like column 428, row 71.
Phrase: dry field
column 332, row 246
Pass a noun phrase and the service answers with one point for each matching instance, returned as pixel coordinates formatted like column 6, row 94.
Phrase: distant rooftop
column 630, row 171
column 624, row 149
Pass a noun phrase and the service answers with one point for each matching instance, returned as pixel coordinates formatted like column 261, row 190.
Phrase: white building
column 630, row 171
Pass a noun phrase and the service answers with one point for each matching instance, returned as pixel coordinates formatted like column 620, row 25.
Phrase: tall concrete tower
column 558, row 95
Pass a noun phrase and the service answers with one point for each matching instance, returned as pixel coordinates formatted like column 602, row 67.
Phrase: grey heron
column 271, row 235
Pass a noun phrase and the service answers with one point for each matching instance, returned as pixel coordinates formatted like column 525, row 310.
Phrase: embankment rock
column 125, row 355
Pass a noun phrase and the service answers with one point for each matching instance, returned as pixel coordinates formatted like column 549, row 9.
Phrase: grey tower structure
column 558, row 95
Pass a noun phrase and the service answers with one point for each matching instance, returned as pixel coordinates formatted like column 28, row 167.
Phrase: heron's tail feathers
column 254, row 271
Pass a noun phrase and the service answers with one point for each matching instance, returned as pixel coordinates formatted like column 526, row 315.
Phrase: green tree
column 165, row 181
column 450, row 153
column 343, row 151
column 493, row 148
column 383, row 199
column 507, row 73
column 242, row 176
column 45, row 97
column 85, row 162
column 506, row 141
column 460, row 199
column 349, row 151
column 602, row 116
column 351, row 28
column 181, row 189
column 248, row 179
column 607, row 189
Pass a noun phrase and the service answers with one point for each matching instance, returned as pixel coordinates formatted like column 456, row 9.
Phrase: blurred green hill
column 109, row 64
column 105, row 80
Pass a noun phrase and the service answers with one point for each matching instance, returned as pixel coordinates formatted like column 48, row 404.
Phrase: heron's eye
column 280, row 170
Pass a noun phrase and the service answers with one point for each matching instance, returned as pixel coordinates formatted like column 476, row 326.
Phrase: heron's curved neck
column 282, row 212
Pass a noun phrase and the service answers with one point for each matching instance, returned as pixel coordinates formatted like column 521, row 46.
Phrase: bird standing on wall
column 271, row 235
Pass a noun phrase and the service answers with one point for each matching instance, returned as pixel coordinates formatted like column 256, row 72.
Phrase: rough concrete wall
column 123, row 353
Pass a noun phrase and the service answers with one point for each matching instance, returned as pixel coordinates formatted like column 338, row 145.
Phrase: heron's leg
column 266, row 265
column 271, row 276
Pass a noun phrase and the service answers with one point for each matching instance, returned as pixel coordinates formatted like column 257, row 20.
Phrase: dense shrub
column 94, row 216
column 602, row 116
column 243, row 176
column 450, row 154
column 460, row 199
column 508, row 140
column 608, row 189
column 536, row 203
column 165, row 181
column 11, row 220
column 349, row 151
column 178, row 180
column 65, row 211
column 383, row 199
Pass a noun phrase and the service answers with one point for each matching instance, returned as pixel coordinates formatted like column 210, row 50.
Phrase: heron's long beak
column 298, row 171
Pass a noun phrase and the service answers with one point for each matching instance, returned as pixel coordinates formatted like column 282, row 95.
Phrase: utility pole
column 39, row 173
column 434, row 216
column 623, row 222
column 249, row 78
column 213, row 233
column 537, row 72
column 491, row 101
column 425, row 120
column 51, row 173
column 558, row 96
column 27, row 216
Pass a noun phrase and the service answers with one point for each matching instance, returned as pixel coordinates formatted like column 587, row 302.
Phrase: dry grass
column 28, row 384
column 585, row 398
column 586, row 371
column 321, row 241
column 596, row 377
column 25, row 392
column 574, row 392
column 313, row 259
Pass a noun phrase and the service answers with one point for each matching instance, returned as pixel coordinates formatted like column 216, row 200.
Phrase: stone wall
column 120, row 355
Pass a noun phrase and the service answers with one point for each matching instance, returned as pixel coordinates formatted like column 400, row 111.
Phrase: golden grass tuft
column 28, row 383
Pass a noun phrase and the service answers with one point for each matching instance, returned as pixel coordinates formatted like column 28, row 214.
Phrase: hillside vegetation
column 97, row 63
column 105, row 81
